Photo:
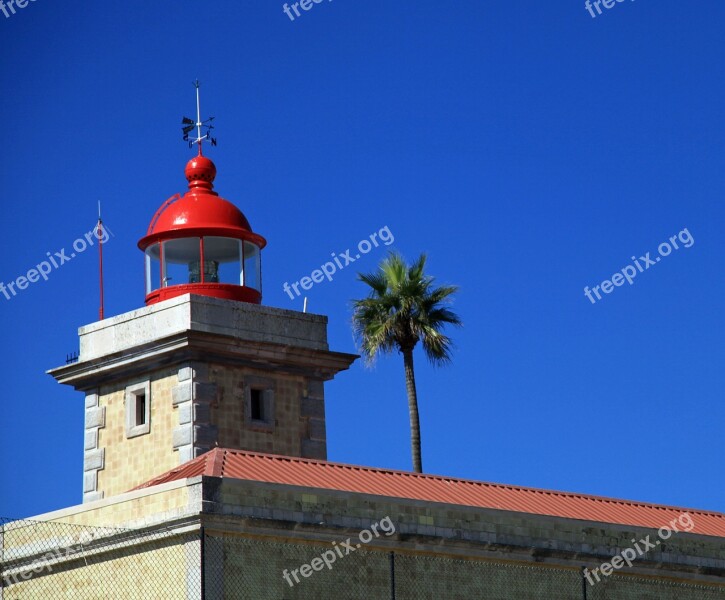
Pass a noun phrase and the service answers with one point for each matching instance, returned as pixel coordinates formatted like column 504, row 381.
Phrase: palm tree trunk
column 413, row 410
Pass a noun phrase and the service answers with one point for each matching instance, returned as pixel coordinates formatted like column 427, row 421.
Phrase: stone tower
column 203, row 364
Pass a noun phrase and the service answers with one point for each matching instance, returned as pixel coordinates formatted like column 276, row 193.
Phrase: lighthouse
column 203, row 364
column 200, row 243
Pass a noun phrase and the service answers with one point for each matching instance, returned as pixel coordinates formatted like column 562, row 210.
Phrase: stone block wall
column 255, row 533
column 296, row 425
column 115, row 463
column 550, row 550
column 196, row 360
column 195, row 407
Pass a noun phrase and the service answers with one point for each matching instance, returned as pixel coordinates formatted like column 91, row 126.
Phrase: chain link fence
column 54, row 561
column 262, row 570
column 619, row 587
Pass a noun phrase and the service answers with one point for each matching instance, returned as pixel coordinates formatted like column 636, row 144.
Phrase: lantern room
column 200, row 243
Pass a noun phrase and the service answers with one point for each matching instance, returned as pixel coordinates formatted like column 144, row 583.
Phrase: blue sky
column 527, row 147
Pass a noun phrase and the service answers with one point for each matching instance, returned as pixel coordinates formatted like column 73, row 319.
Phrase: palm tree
column 404, row 308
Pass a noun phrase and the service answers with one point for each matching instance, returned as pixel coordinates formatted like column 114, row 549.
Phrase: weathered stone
column 94, row 459
column 186, row 453
column 315, row 388
column 199, row 450
column 181, row 393
column 181, row 436
column 95, row 417
column 317, row 429
column 90, row 481
column 239, row 320
column 205, row 435
column 92, row 496
column 314, row 449
column 312, row 407
column 185, row 413
column 204, row 392
column 91, row 439
column 202, row 413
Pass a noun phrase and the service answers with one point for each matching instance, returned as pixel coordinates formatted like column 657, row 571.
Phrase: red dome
column 199, row 212
column 196, row 212
column 201, row 244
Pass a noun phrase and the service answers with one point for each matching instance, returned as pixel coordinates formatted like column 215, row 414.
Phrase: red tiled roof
column 253, row 466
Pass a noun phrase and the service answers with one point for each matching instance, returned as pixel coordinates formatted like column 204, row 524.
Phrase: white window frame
column 133, row 393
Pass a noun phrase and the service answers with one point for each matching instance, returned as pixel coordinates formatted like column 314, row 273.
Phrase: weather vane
column 190, row 124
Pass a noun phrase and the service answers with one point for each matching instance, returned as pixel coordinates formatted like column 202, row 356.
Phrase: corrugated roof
column 254, row 466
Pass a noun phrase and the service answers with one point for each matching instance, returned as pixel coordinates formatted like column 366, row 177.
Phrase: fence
column 52, row 560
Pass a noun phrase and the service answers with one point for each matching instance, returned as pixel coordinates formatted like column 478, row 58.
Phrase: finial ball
column 200, row 168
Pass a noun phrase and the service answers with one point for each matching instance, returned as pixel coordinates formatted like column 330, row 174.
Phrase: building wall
column 141, row 508
column 144, row 544
column 254, row 568
column 119, row 463
column 240, row 567
column 213, row 401
column 297, row 422
column 195, row 407
column 254, row 533
column 450, row 551
column 160, row 568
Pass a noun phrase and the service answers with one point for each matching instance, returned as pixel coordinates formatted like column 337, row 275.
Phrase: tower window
column 138, row 409
column 257, row 404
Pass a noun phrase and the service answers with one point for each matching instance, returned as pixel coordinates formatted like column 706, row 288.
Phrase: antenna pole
column 198, row 116
column 100, row 257
column 190, row 124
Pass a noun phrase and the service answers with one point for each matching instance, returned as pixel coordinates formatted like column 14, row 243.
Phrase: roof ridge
column 215, row 462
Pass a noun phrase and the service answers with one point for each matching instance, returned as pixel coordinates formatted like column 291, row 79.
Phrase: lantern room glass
column 252, row 267
column 212, row 259
column 222, row 260
column 181, row 260
column 153, row 268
